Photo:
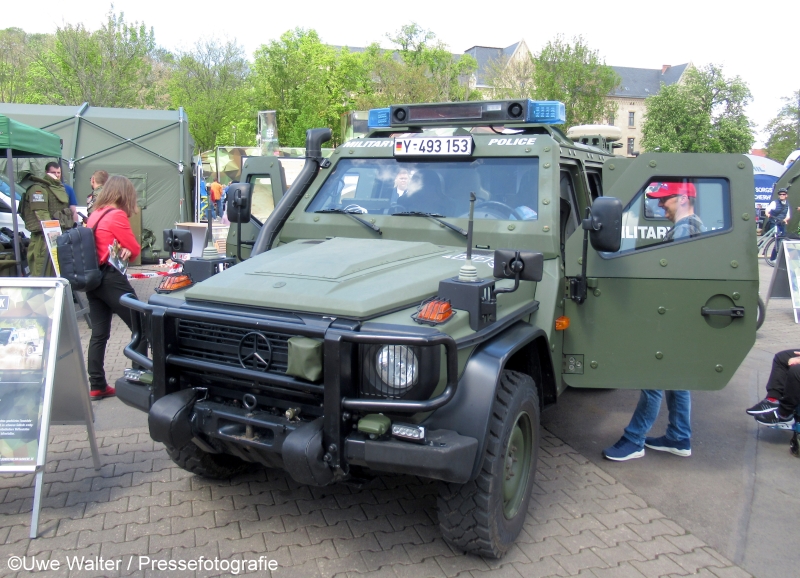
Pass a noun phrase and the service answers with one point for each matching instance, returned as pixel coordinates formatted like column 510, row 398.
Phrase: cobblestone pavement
column 581, row 521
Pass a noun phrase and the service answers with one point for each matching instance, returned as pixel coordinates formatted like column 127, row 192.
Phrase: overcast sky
column 740, row 37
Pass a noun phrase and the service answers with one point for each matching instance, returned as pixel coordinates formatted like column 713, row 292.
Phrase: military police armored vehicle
column 377, row 328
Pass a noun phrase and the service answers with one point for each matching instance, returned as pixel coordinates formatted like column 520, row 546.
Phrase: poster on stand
column 26, row 345
column 51, row 230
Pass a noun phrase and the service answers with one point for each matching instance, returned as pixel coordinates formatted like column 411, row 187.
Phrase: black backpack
column 77, row 257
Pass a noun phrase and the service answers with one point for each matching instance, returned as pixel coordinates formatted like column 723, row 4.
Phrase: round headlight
column 397, row 366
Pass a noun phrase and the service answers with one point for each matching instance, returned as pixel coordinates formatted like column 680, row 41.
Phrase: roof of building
column 484, row 55
column 644, row 82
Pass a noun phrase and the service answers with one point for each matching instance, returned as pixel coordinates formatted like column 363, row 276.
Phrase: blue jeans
column 679, row 404
column 780, row 233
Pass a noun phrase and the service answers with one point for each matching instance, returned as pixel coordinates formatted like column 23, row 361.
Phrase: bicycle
column 766, row 238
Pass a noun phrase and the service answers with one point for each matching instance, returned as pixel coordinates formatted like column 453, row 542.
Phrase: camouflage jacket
column 45, row 199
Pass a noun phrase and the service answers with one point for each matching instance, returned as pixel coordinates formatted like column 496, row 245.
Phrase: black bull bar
column 339, row 387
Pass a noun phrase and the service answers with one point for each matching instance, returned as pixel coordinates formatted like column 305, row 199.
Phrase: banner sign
column 26, row 340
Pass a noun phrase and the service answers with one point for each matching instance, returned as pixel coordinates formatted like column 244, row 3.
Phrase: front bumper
column 260, row 435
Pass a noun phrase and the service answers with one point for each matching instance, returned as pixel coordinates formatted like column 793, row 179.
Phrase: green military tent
column 151, row 147
column 20, row 140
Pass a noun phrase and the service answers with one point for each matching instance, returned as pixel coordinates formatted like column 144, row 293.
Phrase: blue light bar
column 379, row 118
column 545, row 112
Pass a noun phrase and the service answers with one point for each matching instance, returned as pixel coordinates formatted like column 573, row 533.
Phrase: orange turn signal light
column 174, row 282
column 562, row 323
column 435, row 311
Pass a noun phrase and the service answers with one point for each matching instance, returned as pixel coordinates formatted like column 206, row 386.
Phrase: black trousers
column 784, row 381
column 103, row 303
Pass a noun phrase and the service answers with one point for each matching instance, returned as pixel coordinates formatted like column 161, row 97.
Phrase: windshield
column 5, row 334
column 505, row 188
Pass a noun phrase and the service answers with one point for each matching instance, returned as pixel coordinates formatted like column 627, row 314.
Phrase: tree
column 574, row 74
column 784, row 129
column 210, row 84
column 511, row 78
column 430, row 72
column 704, row 113
column 108, row 67
column 16, row 50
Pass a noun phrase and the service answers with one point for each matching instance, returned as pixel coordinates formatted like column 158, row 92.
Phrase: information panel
column 26, row 339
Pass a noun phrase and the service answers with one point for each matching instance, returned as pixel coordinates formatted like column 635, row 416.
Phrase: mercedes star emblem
column 255, row 351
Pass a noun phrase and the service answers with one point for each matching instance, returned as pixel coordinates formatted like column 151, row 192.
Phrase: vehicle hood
column 357, row 278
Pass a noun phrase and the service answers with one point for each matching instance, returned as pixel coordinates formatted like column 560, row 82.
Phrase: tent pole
column 13, row 199
column 181, row 176
column 74, row 150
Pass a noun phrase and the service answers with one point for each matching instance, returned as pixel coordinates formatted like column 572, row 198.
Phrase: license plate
column 436, row 145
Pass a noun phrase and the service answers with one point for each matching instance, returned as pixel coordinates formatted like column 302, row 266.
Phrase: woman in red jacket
column 112, row 208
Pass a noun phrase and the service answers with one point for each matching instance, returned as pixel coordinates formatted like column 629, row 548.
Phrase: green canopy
column 26, row 141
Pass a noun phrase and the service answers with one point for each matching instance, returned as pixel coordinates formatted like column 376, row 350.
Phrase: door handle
column 735, row 312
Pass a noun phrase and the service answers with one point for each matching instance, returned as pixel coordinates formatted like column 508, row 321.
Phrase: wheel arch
column 470, row 409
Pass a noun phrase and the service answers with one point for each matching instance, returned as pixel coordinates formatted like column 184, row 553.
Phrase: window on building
column 631, row 119
column 630, row 147
column 611, row 120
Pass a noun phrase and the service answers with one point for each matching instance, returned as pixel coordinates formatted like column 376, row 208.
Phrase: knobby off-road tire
column 485, row 516
column 216, row 466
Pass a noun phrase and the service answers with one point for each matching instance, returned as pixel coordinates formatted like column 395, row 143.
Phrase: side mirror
column 178, row 240
column 239, row 201
column 509, row 262
column 605, row 224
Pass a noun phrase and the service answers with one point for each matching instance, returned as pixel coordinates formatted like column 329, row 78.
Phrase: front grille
column 220, row 344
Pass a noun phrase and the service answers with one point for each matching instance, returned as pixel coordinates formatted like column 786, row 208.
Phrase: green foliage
column 108, row 67
column 574, row 74
column 16, row 47
column 703, row 113
column 784, row 129
column 210, row 83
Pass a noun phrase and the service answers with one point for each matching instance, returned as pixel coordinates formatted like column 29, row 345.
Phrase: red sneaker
column 101, row 393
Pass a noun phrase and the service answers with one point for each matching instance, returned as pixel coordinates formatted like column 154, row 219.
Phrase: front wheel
column 486, row 515
column 767, row 252
column 215, row 466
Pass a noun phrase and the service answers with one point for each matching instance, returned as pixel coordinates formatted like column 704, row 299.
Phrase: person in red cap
column 678, row 199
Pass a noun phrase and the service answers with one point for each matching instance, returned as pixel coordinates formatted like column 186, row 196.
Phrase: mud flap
column 169, row 418
column 302, row 455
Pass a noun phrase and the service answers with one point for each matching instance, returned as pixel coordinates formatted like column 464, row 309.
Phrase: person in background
column 45, row 199
column 778, row 211
column 53, row 170
column 783, row 392
column 215, row 198
column 677, row 199
column 112, row 209
column 97, row 181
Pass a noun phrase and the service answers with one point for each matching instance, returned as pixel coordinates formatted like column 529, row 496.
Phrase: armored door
column 670, row 309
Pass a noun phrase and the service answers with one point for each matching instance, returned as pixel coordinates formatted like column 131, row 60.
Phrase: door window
column 667, row 211
column 263, row 203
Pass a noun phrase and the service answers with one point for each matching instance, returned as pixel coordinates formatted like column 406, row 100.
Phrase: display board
column 42, row 375
column 785, row 283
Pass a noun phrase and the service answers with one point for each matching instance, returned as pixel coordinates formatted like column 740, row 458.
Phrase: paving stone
column 661, row 566
column 297, row 538
column 215, row 534
column 575, row 544
column 67, row 525
column 624, row 570
column 539, row 569
column 305, row 520
column 406, row 536
column 175, row 539
column 420, row 552
column 645, row 515
column 353, row 513
column 621, row 553
column 253, row 544
column 113, row 519
column 693, row 561
column 376, row 560
column 547, row 547
column 361, row 527
column 574, row 563
column 617, row 535
column 180, row 523
column 160, row 528
column 651, row 529
column 249, row 528
column 301, row 554
column 318, row 534
column 505, row 571
column 730, row 572
column 578, row 525
column 655, row 547
column 346, row 547
column 454, row 565
column 338, row 566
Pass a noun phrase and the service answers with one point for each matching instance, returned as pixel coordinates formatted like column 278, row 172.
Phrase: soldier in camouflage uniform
column 45, row 199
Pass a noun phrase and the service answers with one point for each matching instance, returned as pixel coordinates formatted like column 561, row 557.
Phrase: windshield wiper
column 372, row 226
column 435, row 217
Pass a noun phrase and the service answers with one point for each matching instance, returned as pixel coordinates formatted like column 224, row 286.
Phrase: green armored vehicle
column 413, row 302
